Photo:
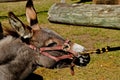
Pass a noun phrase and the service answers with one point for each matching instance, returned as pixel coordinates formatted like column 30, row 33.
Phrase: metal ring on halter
column 66, row 47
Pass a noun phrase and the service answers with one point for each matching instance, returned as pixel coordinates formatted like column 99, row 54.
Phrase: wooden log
column 106, row 2
column 86, row 14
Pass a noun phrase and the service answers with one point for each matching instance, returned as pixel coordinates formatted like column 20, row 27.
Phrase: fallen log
column 113, row 2
column 107, row 16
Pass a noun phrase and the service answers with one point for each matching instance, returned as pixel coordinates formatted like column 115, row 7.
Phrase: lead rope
column 102, row 50
column 97, row 51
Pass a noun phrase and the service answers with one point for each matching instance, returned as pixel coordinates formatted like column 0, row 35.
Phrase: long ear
column 31, row 13
column 23, row 30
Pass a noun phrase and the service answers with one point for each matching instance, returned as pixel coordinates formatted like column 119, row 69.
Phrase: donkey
column 39, row 37
column 33, row 46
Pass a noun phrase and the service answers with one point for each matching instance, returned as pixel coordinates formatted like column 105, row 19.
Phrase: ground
column 101, row 67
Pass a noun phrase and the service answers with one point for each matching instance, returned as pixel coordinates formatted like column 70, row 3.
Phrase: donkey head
column 54, row 50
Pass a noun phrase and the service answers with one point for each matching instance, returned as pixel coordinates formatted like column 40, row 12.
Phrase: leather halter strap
column 65, row 47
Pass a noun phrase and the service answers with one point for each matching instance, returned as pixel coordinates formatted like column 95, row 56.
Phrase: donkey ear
column 22, row 30
column 31, row 13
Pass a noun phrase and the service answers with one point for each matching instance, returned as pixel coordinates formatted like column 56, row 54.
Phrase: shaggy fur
column 17, row 60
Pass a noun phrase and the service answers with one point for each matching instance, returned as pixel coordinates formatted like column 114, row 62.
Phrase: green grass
column 101, row 67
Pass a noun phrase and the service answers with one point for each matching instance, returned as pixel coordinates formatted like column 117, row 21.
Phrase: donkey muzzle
column 80, row 59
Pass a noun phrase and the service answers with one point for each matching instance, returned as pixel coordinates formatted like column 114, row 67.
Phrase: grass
column 101, row 67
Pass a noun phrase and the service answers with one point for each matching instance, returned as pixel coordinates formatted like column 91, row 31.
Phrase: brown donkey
column 35, row 46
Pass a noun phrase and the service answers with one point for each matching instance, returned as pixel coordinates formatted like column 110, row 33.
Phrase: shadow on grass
column 92, row 26
column 83, row 1
column 3, row 17
column 33, row 76
column 21, row 15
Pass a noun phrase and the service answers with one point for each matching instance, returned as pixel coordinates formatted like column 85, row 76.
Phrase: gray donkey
column 33, row 46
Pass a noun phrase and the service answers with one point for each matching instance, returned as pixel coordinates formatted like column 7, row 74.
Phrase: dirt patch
column 86, row 40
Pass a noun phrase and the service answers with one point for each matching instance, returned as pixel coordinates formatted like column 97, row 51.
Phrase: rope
column 102, row 50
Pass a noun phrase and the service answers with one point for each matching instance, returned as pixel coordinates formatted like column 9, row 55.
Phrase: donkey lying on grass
column 32, row 46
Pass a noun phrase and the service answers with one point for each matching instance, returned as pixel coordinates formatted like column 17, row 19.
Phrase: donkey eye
column 52, row 44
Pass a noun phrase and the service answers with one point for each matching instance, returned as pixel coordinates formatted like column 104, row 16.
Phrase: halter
column 64, row 47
